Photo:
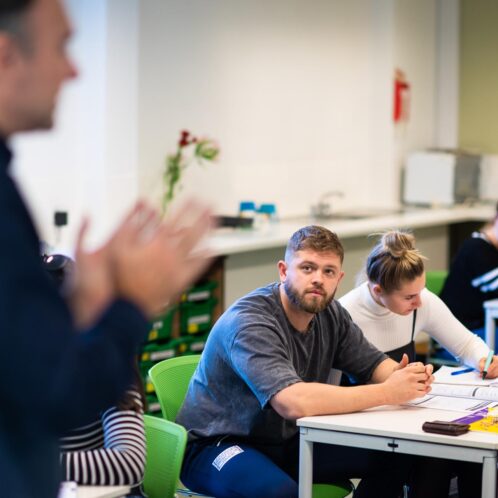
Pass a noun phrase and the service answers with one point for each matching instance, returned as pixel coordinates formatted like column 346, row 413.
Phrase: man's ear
column 282, row 270
column 341, row 276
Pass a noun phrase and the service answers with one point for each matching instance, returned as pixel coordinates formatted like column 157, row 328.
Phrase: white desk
column 396, row 429
column 102, row 491
column 490, row 315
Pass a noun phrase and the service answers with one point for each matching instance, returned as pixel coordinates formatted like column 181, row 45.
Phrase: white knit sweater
column 388, row 331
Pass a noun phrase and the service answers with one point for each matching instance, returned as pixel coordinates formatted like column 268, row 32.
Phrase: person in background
column 390, row 308
column 393, row 305
column 266, row 363
column 473, row 277
column 50, row 373
column 111, row 449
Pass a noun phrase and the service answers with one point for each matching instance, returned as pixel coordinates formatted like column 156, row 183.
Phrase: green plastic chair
column 337, row 490
column 171, row 378
column 165, row 448
column 434, row 280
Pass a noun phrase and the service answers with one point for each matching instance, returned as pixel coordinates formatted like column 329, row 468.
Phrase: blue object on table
column 269, row 210
column 247, row 206
column 464, row 371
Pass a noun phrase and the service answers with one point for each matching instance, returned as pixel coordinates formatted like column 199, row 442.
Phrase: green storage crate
column 196, row 318
column 148, row 385
column 191, row 344
column 155, row 352
column 144, row 370
column 153, row 406
column 162, row 326
column 202, row 292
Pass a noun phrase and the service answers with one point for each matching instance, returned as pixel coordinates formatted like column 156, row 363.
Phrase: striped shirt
column 109, row 451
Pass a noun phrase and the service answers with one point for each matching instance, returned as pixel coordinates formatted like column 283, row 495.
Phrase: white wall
column 298, row 94
column 415, row 52
column 88, row 164
column 448, row 72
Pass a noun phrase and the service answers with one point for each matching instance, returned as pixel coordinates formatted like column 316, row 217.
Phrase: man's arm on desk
column 388, row 366
column 395, row 383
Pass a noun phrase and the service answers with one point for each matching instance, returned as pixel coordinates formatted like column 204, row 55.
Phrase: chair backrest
column 341, row 489
column 171, row 378
column 434, row 280
column 165, row 448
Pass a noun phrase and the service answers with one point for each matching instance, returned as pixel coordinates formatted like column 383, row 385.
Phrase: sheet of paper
column 450, row 403
column 488, row 393
column 443, row 376
column 68, row 489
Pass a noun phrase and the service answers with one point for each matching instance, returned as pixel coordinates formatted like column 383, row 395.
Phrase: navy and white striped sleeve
column 119, row 458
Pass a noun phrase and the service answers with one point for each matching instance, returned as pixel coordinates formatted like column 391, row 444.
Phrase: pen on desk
column 464, row 371
column 489, row 359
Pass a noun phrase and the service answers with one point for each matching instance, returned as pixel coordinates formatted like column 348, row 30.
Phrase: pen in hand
column 489, row 359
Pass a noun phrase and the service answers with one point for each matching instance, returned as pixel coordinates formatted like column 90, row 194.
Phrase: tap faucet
column 323, row 209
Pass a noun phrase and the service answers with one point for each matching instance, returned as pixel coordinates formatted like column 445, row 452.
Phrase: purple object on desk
column 473, row 417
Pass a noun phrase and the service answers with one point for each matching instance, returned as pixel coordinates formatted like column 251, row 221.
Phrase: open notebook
column 465, row 392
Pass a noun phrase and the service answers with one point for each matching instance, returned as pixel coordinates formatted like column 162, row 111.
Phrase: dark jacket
column 52, row 378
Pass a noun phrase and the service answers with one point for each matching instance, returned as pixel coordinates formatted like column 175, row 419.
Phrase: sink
column 359, row 214
column 347, row 216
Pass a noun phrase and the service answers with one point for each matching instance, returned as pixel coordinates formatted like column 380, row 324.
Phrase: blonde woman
column 391, row 307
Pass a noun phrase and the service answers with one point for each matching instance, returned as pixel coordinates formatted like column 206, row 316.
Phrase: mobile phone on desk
column 446, row 428
column 68, row 489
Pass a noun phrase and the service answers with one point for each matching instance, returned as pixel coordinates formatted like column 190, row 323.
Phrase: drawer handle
column 392, row 445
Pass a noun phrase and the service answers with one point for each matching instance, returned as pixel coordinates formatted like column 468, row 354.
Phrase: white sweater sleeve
column 436, row 319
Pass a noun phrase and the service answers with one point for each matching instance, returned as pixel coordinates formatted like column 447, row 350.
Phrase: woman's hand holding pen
column 491, row 370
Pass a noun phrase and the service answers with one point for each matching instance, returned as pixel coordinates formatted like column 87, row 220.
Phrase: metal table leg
column 489, row 477
column 305, row 465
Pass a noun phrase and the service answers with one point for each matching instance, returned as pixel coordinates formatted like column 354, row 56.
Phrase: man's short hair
column 12, row 18
column 314, row 238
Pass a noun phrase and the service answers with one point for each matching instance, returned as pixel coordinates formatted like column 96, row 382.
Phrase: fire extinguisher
column 401, row 97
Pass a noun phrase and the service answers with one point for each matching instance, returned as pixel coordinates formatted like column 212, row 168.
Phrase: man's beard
column 310, row 306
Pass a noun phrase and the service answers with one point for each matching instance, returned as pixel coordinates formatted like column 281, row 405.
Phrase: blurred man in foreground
column 51, row 376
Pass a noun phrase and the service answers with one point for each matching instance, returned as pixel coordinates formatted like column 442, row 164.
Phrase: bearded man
column 267, row 362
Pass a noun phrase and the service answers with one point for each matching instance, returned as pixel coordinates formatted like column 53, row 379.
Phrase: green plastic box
column 191, row 344
column 162, row 326
column 202, row 292
column 153, row 406
column 196, row 318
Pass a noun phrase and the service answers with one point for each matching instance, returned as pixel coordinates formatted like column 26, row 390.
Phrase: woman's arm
column 438, row 321
column 120, row 459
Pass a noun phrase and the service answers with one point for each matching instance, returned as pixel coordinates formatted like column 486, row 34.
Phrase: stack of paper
column 463, row 392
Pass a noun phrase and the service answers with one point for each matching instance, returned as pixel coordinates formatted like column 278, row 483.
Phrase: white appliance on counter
column 488, row 188
column 441, row 178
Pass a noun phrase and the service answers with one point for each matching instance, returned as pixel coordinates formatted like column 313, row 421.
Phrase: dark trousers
column 235, row 469
column 432, row 478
